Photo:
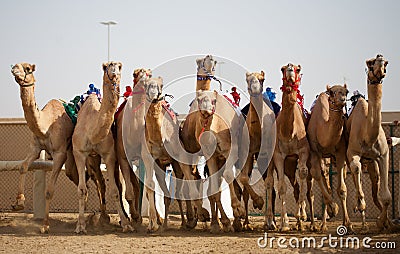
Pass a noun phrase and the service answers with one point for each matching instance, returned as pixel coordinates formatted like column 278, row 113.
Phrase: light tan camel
column 367, row 143
column 163, row 146
column 325, row 132
column 93, row 137
column 52, row 131
column 260, row 127
column 134, row 112
column 291, row 142
column 209, row 129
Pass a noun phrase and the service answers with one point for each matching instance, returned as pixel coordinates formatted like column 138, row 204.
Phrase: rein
column 209, row 77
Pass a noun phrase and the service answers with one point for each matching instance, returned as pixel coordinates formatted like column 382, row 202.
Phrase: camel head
column 291, row 74
column 141, row 75
column 376, row 69
column 23, row 74
column 337, row 95
column 206, row 66
column 112, row 72
column 207, row 101
column 153, row 88
column 255, row 83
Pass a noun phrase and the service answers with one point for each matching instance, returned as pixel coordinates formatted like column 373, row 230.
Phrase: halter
column 208, row 75
column 114, row 84
column 378, row 79
column 293, row 86
column 26, row 73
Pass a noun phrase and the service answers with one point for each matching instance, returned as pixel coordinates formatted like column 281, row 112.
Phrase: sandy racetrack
column 19, row 233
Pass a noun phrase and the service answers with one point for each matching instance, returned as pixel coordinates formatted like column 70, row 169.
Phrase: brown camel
column 93, row 137
column 52, row 131
column 209, row 130
column 291, row 144
column 134, row 112
column 260, row 124
column 326, row 139
column 367, row 143
column 163, row 146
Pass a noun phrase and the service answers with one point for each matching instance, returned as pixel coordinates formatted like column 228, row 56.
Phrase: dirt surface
column 19, row 233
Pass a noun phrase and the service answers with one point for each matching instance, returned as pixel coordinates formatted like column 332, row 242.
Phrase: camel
column 93, row 137
column 52, row 131
column 325, row 132
column 163, row 146
column 134, row 110
column 208, row 130
column 367, row 143
column 260, row 125
column 291, row 146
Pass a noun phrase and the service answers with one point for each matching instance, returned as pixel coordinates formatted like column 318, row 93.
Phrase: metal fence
column 15, row 138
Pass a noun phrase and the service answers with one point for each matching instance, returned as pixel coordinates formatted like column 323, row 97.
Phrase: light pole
column 108, row 24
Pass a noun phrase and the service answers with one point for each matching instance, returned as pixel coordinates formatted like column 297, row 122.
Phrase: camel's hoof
column 128, row 228
column 332, row 209
column 228, row 228
column 214, row 228
column 364, row 229
column 361, row 205
column 270, row 226
column 153, row 228
column 248, row 227
column 323, row 228
column 237, row 225
column 190, row 224
column 299, row 227
column 45, row 229
column 285, row 228
column 203, row 215
column 313, row 228
column 104, row 219
column 258, row 203
column 80, row 229
column 303, row 217
column 160, row 221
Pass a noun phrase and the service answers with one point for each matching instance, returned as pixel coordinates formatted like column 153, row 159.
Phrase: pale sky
column 331, row 40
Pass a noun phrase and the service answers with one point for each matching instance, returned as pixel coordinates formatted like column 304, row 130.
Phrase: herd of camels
column 288, row 144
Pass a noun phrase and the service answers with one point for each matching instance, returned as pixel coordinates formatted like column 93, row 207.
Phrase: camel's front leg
column 33, row 155
column 258, row 202
column 279, row 163
column 80, row 158
column 355, row 167
column 150, row 186
column 303, row 172
column 58, row 161
column 384, row 193
column 110, row 161
column 269, row 223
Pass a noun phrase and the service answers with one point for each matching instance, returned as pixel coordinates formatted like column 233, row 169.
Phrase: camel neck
column 31, row 110
column 256, row 107
column 329, row 132
column 288, row 114
column 203, row 85
column 153, row 121
column 107, row 110
column 374, row 117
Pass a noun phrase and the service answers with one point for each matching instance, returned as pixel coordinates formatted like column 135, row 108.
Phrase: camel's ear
column 283, row 69
column 370, row 63
column 298, row 68
column 198, row 61
column 104, row 66
column 120, row 65
column 150, row 73
column 247, row 75
column 345, row 85
column 160, row 79
column 328, row 88
column 386, row 63
column 263, row 74
column 33, row 67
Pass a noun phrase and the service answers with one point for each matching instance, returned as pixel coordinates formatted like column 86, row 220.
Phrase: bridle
column 26, row 74
column 114, row 84
column 207, row 118
column 256, row 94
column 289, row 86
column 332, row 102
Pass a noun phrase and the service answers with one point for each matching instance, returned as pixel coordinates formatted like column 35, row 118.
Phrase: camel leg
column 384, row 193
column 33, row 155
column 110, row 159
column 310, row 199
column 303, row 173
column 129, row 189
column 258, row 202
column 80, row 159
column 269, row 223
column 136, row 215
column 227, row 227
column 93, row 166
column 279, row 163
column 237, row 224
column 355, row 167
column 213, row 190
column 150, row 186
column 58, row 161
column 160, row 176
column 342, row 193
column 373, row 171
